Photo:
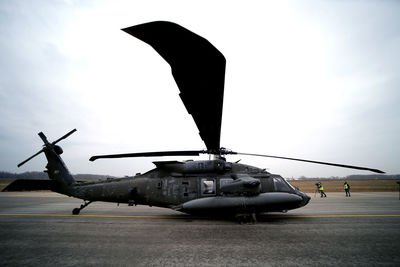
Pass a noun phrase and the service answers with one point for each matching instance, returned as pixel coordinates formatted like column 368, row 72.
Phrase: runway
column 37, row 228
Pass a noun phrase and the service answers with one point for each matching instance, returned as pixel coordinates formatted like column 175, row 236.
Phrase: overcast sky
column 308, row 79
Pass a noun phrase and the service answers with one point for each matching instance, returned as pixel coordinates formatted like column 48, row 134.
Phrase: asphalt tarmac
column 37, row 229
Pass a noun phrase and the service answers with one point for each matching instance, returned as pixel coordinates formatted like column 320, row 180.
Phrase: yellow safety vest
column 346, row 186
column 321, row 188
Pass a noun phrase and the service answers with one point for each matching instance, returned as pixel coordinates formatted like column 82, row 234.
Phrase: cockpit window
column 281, row 185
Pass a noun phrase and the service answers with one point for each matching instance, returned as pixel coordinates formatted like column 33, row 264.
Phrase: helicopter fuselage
column 206, row 186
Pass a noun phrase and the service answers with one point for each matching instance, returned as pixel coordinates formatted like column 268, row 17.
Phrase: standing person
column 321, row 189
column 347, row 189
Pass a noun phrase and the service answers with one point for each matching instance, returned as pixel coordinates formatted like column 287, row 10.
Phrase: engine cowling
column 242, row 184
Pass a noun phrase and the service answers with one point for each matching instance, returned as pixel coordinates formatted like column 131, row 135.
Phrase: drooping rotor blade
column 309, row 161
column 198, row 69
column 151, row 154
column 28, row 159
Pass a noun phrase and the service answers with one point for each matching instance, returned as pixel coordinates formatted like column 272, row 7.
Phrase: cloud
column 317, row 81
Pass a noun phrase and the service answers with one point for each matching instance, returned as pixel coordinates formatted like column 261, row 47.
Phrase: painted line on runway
column 189, row 217
column 101, row 216
column 333, row 216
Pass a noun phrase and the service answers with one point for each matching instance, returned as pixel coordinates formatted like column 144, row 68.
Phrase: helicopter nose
column 305, row 198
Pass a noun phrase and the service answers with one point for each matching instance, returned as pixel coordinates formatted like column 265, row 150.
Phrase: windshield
column 281, row 185
column 291, row 186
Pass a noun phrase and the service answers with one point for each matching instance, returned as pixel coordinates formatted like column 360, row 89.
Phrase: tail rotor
column 48, row 145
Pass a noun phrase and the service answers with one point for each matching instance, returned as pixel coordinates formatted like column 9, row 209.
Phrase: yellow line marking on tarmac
column 99, row 216
column 190, row 217
column 333, row 216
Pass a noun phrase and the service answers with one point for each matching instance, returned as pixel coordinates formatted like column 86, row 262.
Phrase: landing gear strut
column 77, row 210
column 248, row 218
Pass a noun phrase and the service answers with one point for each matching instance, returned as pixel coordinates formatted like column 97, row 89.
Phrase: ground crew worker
column 321, row 189
column 347, row 189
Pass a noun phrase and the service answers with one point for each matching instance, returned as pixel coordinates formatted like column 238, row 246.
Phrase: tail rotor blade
column 313, row 161
column 63, row 137
column 44, row 138
column 28, row 159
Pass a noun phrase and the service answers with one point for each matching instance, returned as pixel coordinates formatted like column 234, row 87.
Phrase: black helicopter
column 196, row 187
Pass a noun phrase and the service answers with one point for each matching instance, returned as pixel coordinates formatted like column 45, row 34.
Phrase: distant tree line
column 355, row 177
column 43, row 175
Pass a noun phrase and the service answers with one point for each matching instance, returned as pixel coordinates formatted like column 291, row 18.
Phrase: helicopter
column 204, row 187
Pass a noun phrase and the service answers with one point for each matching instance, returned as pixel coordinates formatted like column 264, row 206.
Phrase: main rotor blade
column 198, row 69
column 151, row 154
column 28, row 159
column 312, row 161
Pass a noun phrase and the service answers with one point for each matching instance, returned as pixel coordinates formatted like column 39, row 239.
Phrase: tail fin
column 56, row 168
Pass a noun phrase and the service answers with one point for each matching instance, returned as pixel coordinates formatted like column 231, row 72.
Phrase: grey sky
column 308, row 79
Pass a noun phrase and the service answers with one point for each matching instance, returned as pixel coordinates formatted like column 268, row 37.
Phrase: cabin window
column 208, row 186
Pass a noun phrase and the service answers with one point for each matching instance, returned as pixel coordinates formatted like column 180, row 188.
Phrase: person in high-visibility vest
column 347, row 189
column 321, row 189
